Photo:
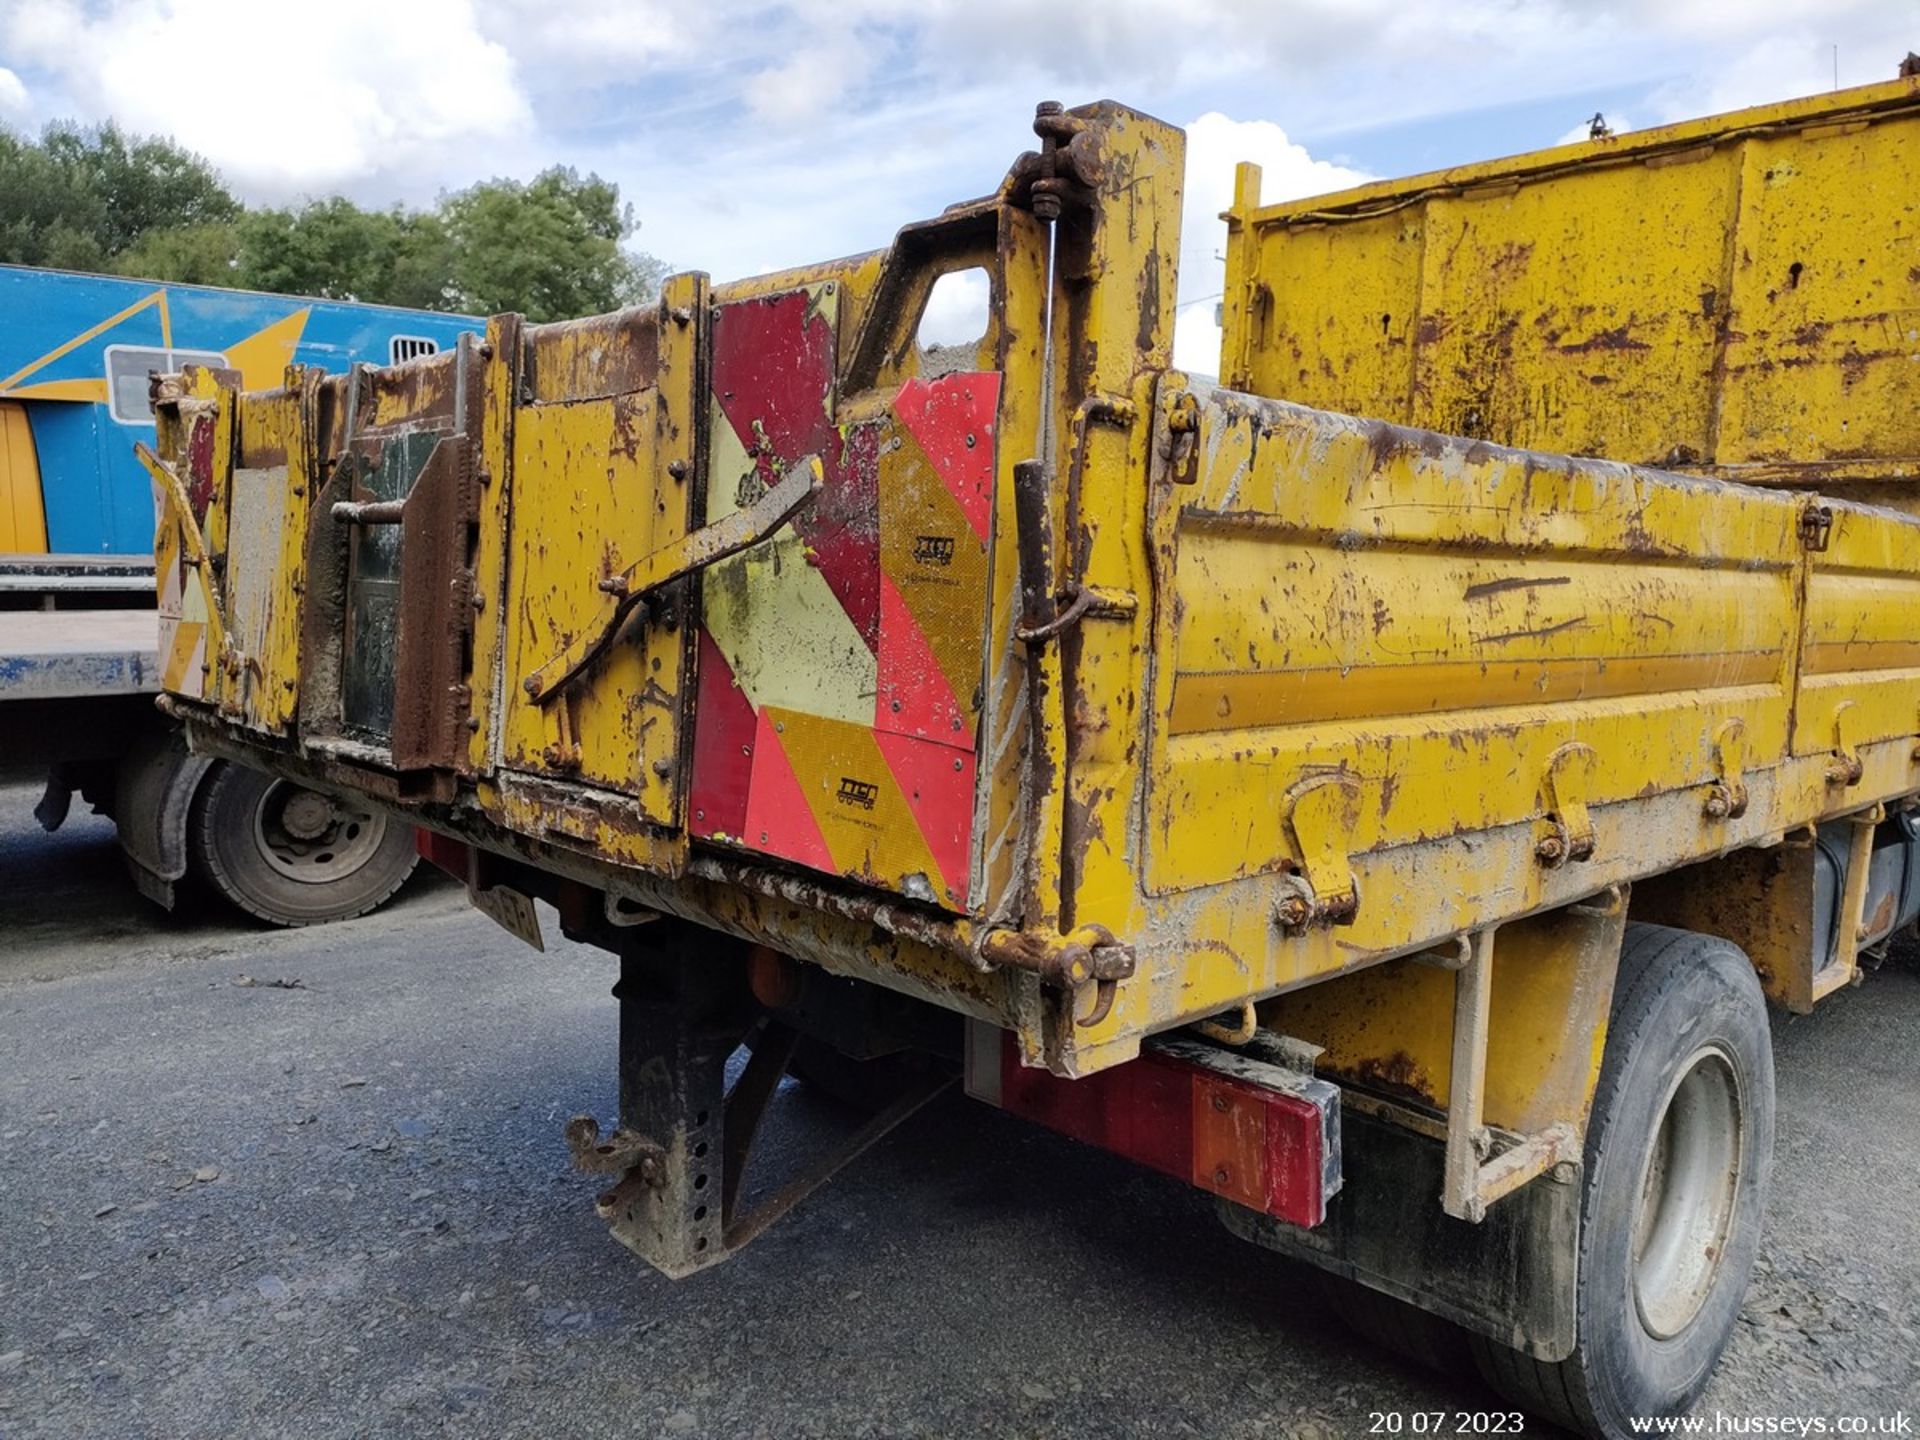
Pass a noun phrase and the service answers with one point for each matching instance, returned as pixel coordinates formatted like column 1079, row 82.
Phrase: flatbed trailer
column 1393, row 833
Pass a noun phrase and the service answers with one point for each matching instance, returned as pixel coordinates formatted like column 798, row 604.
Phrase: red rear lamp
column 1254, row 1132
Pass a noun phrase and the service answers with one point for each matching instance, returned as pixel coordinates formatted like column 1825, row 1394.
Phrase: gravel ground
column 312, row 1183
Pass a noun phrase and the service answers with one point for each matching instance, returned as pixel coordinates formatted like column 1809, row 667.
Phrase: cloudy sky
column 751, row 134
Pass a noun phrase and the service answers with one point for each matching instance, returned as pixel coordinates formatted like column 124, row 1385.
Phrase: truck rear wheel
column 1679, row 1148
column 291, row 855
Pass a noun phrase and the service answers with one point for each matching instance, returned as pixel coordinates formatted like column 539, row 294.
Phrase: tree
column 189, row 254
column 80, row 197
column 337, row 251
column 550, row 249
column 99, row 199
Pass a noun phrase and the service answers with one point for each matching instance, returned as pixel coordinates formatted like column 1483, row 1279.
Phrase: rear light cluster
column 1259, row 1134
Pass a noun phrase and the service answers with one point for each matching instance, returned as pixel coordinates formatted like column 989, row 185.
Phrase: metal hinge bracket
column 1320, row 813
column 1727, row 795
column 1565, row 831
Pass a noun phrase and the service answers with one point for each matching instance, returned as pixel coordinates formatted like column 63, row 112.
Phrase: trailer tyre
column 294, row 856
column 1678, row 1153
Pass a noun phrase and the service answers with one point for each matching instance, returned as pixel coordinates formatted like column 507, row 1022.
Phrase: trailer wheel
column 1679, row 1148
column 294, row 856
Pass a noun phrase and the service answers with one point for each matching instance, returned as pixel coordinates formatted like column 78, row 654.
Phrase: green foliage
column 97, row 199
column 549, row 249
column 191, row 254
column 81, row 197
column 334, row 249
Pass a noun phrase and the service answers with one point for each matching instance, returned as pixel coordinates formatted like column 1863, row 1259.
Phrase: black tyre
column 1679, row 1149
column 291, row 855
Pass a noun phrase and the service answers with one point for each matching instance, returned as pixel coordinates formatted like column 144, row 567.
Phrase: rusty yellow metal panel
column 1039, row 677
column 191, row 474
column 1824, row 331
column 1433, row 621
column 1732, row 295
column 588, row 503
column 1860, row 656
column 271, row 486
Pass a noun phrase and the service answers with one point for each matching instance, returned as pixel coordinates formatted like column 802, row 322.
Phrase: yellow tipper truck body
column 1373, row 705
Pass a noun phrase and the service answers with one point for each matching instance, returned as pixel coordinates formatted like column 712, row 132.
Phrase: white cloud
column 1765, row 50
column 13, row 94
column 595, row 40
column 1215, row 147
column 283, row 99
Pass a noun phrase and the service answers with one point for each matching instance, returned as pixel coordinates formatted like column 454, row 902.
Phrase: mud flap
column 1512, row 1277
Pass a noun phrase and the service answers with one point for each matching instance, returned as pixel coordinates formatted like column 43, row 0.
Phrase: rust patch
column 1534, row 633
column 1398, row 1074
column 1517, row 582
column 1614, row 339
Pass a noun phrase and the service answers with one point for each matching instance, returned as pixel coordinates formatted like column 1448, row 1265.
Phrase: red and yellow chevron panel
column 842, row 662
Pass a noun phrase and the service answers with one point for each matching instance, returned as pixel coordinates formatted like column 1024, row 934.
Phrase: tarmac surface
column 313, row 1183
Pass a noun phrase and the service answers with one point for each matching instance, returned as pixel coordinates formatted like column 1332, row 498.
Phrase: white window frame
column 176, row 355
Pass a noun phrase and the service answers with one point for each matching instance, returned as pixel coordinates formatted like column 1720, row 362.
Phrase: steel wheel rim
column 1689, row 1190
column 312, row 837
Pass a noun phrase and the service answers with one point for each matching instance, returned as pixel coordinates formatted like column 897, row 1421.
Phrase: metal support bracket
column 1476, row 1178
column 1845, row 968
column 684, row 1138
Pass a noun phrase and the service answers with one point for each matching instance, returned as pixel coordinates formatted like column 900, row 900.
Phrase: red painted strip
column 913, row 696
column 779, row 820
column 952, row 419
column 443, row 852
column 723, row 736
column 773, row 374
column 937, row 781
column 842, row 528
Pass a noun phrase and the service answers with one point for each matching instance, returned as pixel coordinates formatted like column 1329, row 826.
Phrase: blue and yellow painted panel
column 75, row 351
